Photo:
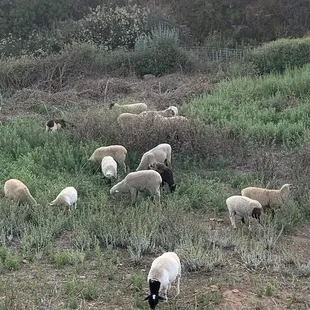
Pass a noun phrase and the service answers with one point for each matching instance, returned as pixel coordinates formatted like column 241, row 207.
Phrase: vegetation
column 249, row 125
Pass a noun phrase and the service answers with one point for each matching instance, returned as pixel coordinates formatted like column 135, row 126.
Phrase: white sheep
column 160, row 153
column 118, row 152
column 109, row 167
column 243, row 207
column 16, row 190
column 67, row 197
column 138, row 181
column 269, row 198
column 165, row 269
column 134, row 108
column 164, row 113
column 174, row 109
column 171, row 121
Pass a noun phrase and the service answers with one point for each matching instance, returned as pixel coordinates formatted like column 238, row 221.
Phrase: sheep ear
column 147, row 297
column 161, row 298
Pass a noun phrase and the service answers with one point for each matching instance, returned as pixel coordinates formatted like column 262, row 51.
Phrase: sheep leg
column 124, row 167
column 232, row 219
column 134, row 195
column 178, row 285
column 157, row 196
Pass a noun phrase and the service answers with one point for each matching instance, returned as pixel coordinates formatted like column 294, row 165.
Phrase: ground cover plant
column 243, row 132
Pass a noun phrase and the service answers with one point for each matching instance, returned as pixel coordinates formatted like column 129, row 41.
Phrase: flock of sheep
column 152, row 172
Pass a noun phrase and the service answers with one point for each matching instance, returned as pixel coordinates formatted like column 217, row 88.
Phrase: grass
column 99, row 254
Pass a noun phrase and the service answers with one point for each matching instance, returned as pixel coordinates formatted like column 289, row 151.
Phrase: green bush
column 277, row 56
column 159, row 52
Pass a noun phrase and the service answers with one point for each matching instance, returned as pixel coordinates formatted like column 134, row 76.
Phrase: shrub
column 159, row 52
column 277, row 56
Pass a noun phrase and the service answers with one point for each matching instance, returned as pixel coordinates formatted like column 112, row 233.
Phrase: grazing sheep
column 67, row 197
column 118, row 152
column 164, row 270
column 269, row 198
column 243, row 207
column 129, row 121
column 138, row 181
column 165, row 173
column 18, row 191
column 55, row 124
column 134, row 108
column 109, row 168
column 169, row 121
column 164, row 113
column 174, row 109
column 160, row 153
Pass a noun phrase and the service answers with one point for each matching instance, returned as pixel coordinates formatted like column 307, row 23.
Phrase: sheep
column 174, row 120
column 53, row 125
column 138, row 181
column 269, row 198
column 174, row 109
column 165, row 269
column 244, row 207
column 165, row 173
column 109, row 168
column 16, row 190
column 134, row 108
column 164, row 113
column 67, row 197
column 129, row 121
column 161, row 153
column 118, row 152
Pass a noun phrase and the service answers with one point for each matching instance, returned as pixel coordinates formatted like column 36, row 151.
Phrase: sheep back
column 67, row 197
column 109, row 167
column 118, row 152
column 16, row 190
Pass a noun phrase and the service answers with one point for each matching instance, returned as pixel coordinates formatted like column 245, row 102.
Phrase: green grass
column 263, row 109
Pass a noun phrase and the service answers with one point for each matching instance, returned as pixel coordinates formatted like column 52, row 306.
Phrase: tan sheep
column 134, row 108
column 269, row 198
column 18, row 191
column 118, row 152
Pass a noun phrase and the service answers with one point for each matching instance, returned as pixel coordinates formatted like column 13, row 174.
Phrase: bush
column 159, row 52
column 277, row 56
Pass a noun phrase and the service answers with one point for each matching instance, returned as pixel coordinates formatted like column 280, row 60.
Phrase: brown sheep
column 165, row 173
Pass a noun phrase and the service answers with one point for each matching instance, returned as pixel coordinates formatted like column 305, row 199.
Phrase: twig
column 105, row 91
column 196, row 304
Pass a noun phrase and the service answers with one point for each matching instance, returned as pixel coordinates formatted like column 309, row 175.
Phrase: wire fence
column 220, row 54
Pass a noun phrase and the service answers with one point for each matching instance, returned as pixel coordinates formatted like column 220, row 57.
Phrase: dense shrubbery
column 277, row 56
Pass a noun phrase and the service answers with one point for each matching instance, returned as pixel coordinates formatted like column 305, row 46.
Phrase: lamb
column 55, row 124
column 109, row 168
column 138, row 181
column 16, row 190
column 161, row 153
column 164, row 113
column 134, row 108
column 164, row 270
column 67, row 197
column 118, row 152
column 165, row 173
column 243, row 207
column 269, row 198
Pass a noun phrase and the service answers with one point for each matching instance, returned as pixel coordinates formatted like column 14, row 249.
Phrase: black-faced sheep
column 165, row 173
column 165, row 269
column 269, row 198
column 118, row 152
column 16, row 190
column 138, row 181
column 243, row 207
column 160, row 153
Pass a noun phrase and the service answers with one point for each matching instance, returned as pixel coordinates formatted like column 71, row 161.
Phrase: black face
column 153, row 301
